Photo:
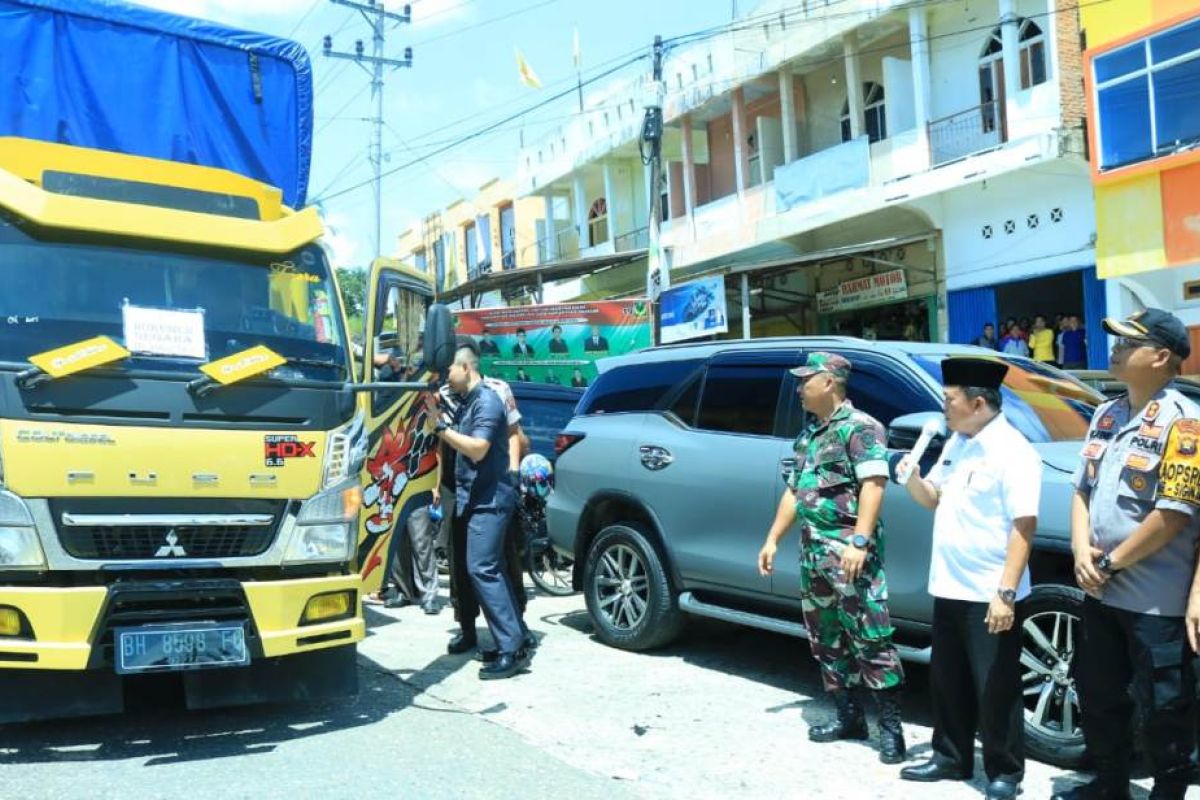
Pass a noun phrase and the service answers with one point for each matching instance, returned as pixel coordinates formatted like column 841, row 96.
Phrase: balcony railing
column 634, row 240
column 971, row 131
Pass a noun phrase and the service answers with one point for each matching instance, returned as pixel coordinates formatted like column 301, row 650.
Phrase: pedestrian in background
column 984, row 490
column 1013, row 342
column 1041, row 341
column 1074, row 344
column 988, row 338
column 1134, row 536
column 836, row 491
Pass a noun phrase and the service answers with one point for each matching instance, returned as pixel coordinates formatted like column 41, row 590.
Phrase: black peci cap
column 982, row 373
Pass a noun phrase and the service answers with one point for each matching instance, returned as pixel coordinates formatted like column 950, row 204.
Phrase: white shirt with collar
column 985, row 482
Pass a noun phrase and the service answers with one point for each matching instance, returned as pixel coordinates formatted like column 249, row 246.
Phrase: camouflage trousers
column 848, row 623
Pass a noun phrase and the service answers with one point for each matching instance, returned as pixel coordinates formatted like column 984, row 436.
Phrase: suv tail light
column 565, row 441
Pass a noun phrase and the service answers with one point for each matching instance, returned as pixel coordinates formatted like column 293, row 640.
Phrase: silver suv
column 669, row 475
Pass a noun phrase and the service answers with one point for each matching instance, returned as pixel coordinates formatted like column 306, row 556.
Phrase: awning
column 713, row 267
column 536, row 276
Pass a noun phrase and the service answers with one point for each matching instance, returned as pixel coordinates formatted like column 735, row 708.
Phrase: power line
column 485, row 22
column 476, row 134
column 744, row 24
column 303, row 17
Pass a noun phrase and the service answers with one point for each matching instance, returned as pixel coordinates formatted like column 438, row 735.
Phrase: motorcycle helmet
column 537, row 475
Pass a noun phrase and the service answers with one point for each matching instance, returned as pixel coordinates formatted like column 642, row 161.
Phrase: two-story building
column 1143, row 92
column 887, row 168
column 492, row 232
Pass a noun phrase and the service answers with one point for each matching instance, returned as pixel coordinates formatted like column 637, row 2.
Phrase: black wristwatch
column 441, row 426
column 1105, row 565
column 860, row 541
column 1008, row 596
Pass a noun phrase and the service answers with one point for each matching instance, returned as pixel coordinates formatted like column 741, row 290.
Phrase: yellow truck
column 186, row 435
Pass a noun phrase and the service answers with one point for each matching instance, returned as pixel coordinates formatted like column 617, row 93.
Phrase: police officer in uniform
column 836, row 491
column 485, row 498
column 1134, row 534
column 985, row 489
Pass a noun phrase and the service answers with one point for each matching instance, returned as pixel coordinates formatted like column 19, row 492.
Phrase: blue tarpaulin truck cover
column 116, row 76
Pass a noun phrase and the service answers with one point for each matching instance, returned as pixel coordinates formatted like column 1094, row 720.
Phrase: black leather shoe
column 1096, row 790
column 432, row 609
column 933, row 770
column 1001, row 789
column 506, row 665
column 529, row 645
column 461, row 643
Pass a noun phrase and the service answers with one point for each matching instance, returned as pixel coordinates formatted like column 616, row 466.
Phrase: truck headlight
column 326, row 526
column 19, row 543
column 345, row 452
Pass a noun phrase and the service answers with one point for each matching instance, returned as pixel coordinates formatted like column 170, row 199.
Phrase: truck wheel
column 627, row 592
column 1050, row 635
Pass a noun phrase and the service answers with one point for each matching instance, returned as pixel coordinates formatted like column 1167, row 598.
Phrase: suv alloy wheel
column 1049, row 638
column 627, row 590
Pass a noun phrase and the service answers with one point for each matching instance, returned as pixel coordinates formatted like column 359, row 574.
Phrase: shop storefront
column 878, row 306
column 1071, row 292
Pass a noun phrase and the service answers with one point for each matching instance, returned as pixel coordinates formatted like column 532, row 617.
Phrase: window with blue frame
column 1147, row 97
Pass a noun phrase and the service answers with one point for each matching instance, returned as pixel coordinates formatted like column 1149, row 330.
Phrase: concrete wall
column 1037, row 244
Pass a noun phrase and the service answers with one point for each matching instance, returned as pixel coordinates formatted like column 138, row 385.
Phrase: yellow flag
column 528, row 76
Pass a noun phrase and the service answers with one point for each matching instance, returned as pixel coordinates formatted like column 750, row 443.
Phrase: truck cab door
column 400, row 469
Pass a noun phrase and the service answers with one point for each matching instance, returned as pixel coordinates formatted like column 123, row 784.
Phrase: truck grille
column 151, row 541
column 133, row 530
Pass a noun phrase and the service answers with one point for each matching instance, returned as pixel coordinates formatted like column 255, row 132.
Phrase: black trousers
column 975, row 681
column 1120, row 650
column 462, row 591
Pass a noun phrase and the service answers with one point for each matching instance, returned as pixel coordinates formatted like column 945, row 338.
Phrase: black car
column 545, row 411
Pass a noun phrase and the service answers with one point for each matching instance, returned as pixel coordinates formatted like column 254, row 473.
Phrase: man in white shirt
column 984, row 490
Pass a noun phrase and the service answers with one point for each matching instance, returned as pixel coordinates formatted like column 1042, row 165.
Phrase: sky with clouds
column 464, row 77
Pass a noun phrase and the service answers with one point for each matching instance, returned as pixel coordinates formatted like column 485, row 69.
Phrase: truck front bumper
column 71, row 628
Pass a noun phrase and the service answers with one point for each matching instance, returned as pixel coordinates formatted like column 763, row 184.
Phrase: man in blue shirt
column 485, row 495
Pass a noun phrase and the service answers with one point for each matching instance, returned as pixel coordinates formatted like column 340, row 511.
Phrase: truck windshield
column 1042, row 402
column 187, row 308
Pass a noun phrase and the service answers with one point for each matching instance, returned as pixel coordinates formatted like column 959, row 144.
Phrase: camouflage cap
column 835, row 365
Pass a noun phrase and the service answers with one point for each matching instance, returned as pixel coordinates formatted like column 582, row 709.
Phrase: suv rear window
column 635, row 387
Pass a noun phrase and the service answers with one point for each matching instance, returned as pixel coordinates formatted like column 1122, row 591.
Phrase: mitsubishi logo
column 171, row 548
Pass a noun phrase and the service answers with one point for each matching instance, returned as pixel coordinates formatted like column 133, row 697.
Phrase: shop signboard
column 869, row 290
column 692, row 310
column 556, row 344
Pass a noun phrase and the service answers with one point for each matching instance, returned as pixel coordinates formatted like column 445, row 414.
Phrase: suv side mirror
column 439, row 338
column 906, row 429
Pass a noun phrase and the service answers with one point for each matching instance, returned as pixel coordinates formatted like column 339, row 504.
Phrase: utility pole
column 658, row 275
column 374, row 65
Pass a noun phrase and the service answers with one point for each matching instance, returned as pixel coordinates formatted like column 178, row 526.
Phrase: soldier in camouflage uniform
column 836, row 492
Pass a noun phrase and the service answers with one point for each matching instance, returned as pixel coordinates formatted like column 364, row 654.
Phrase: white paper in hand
column 913, row 459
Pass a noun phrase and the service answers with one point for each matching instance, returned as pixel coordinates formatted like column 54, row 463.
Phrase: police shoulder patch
column 1179, row 473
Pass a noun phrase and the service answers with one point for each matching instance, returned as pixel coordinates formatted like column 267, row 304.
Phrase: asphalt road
column 720, row 714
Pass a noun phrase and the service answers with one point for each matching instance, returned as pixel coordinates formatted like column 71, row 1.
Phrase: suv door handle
column 654, row 457
column 787, row 467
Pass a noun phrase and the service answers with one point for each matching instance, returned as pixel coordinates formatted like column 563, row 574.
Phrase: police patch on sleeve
column 1179, row 473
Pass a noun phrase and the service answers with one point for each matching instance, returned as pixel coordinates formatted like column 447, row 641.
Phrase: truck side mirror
column 439, row 338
